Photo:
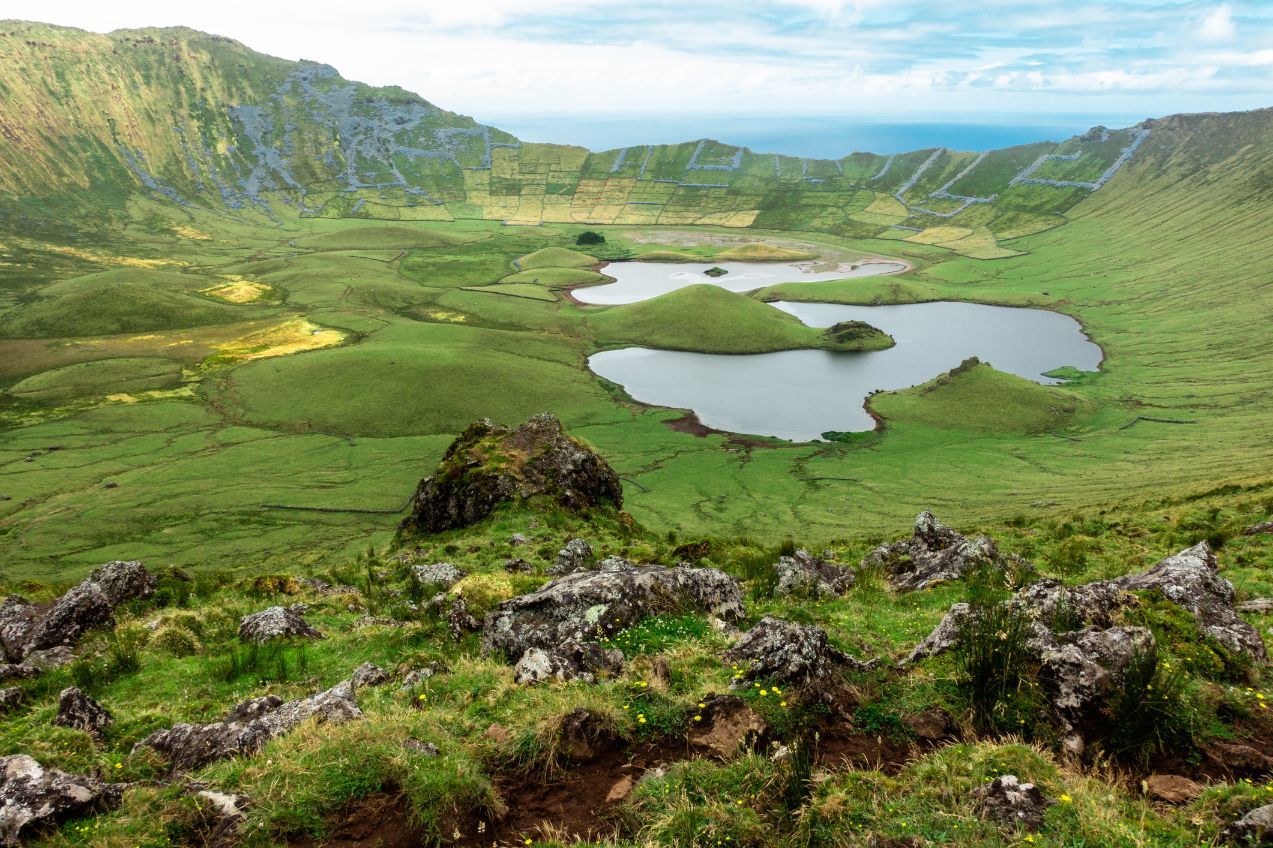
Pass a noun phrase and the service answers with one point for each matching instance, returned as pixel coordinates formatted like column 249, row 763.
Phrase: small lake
column 800, row 394
column 637, row 281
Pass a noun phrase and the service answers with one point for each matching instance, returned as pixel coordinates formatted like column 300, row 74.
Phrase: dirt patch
column 689, row 423
column 377, row 821
column 580, row 805
column 842, row 747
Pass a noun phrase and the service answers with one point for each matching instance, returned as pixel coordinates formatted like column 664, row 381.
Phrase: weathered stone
column 1255, row 828
column 1011, row 803
column 517, row 565
column 934, row 554
column 369, row 674
column 222, row 818
column 570, row 661
column 1257, row 529
column 26, row 628
column 726, row 723
column 79, row 711
column 417, row 676
column 780, row 651
column 1172, row 788
column 438, row 576
column 1238, row 759
column 576, row 556
column 517, row 539
column 459, row 620
column 1256, row 605
column 424, row 749
column 804, row 574
column 11, row 697
column 33, row 797
column 590, row 606
column 249, row 726
column 489, row 465
column 277, row 623
column 1191, row 579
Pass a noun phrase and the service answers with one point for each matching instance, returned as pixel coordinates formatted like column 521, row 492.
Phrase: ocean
column 812, row 137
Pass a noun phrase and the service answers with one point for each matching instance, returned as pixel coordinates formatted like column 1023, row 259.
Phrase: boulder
column 369, row 674
column 932, row 555
column 569, row 661
column 576, row 556
column 489, row 465
column 1191, row 579
column 79, row 711
column 1258, row 529
column 33, row 797
column 590, row 606
column 26, row 628
column 11, row 697
column 797, row 655
column 439, row 576
column 810, row 576
column 1171, row 788
column 277, row 623
column 1011, row 803
column 249, row 726
column 459, row 620
column 1255, row 828
column 517, row 565
column 724, row 724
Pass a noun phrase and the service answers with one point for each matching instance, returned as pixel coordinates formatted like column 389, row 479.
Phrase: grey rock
column 488, row 465
column 26, row 627
column 417, row 676
column 1254, row 828
column 807, row 575
column 781, row 651
column 934, row 554
column 1257, row 529
column 517, row 565
column 460, row 621
column 517, row 539
column 249, row 726
column 369, row 674
column 592, row 605
column 424, row 749
column 11, row 697
column 576, row 556
column 276, row 623
column 222, row 817
column 1011, row 803
column 79, row 711
column 438, row 576
column 570, row 661
column 1259, row 606
column 33, row 797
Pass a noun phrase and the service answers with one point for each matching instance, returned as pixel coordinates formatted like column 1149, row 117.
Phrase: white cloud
column 1218, row 24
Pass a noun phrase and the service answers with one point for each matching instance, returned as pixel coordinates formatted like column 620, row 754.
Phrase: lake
column 800, row 394
column 636, row 281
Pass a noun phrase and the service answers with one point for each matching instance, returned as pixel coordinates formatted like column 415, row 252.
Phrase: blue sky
column 880, row 58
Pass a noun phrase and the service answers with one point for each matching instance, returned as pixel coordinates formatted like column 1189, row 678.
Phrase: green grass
column 98, row 377
column 556, row 277
column 556, row 257
column 103, row 310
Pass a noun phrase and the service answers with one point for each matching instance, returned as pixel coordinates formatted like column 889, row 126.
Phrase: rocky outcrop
column 796, row 655
column 27, row 628
column 33, row 797
column 1255, row 828
column 249, row 726
column 569, row 661
column 438, row 577
column 581, row 610
column 489, row 465
column 1191, row 579
column 79, row 711
column 369, row 674
column 933, row 554
column 277, row 623
column 576, row 556
column 11, row 697
column 806, row 575
column 1011, row 803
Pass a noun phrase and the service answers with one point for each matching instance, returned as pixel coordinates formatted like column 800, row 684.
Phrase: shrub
column 590, row 237
column 277, row 661
column 1071, row 556
column 1150, row 709
column 993, row 665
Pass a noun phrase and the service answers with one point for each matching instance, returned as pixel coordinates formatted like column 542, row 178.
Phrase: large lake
column 800, row 394
column 635, row 281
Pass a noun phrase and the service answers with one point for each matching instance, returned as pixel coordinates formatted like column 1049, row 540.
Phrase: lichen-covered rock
column 277, row 623
column 1191, row 579
column 439, row 576
column 26, row 628
column 222, row 818
column 79, row 711
column 369, row 674
column 33, row 797
column 11, row 697
column 784, row 652
column 1255, row 828
column 459, row 620
column 249, row 726
column 489, row 465
column 576, row 556
column 932, row 555
column 1257, row 529
column 1011, row 803
column 569, row 661
column 804, row 574
column 590, row 606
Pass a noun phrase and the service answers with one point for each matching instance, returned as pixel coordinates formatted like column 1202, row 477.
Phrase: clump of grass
column 993, row 667
column 277, row 661
column 1151, row 711
column 658, row 633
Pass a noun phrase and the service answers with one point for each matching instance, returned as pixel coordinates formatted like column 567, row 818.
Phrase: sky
column 892, row 59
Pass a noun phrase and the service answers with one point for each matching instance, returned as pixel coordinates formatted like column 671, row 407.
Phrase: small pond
column 636, row 281
column 800, row 394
